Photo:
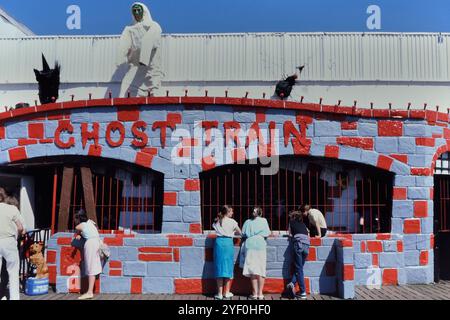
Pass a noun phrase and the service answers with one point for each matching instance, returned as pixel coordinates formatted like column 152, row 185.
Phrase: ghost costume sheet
column 140, row 47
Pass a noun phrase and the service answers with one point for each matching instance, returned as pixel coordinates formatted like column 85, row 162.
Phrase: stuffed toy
column 37, row 259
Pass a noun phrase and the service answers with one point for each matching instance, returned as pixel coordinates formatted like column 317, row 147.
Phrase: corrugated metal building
column 374, row 67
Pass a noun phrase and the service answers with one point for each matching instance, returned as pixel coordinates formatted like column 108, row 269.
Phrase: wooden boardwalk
column 439, row 291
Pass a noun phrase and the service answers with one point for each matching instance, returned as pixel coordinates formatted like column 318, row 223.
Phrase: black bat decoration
column 49, row 80
column 284, row 87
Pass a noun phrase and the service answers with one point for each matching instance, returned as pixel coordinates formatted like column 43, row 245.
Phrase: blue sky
column 46, row 17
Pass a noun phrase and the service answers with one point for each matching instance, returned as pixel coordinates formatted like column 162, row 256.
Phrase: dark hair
column 296, row 215
column 304, row 207
column 257, row 212
column 222, row 213
column 3, row 195
column 11, row 200
column 80, row 217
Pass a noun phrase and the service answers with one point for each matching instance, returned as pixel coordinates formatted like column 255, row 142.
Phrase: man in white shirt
column 10, row 226
column 317, row 223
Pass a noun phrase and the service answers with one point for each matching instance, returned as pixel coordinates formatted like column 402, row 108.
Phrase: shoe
column 252, row 297
column 291, row 289
column 261, row 298
column 218, row 297
column 86, row 296
column 229, row 295
column 301, row 295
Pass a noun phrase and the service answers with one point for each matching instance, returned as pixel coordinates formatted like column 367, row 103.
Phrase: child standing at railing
column 226, row 229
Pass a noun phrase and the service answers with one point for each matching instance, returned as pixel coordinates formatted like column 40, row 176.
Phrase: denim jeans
column 301, row 252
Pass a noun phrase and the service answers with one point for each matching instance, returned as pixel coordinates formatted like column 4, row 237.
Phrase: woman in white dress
column 87, row 230
column 254, row 251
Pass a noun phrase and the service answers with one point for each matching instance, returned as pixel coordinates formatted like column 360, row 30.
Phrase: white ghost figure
column 140, row 47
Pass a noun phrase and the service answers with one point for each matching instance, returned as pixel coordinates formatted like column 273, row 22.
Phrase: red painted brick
column 420, row 209
column 363, row 143
column 170, row 198
column 390, row 128
column 374, row 246
column 390, row 277
column 399, row 194
column 66, row 241
column 400, row 157
column 195, row 228
column 346, row 243
column 51, row 256
column 128, row 114
column 115, row 273
column 155, row 250
column 117, row 241
column 423, row 258
column 27, row 142
column 348, row 272
column 427, row 142
column 144, row 159
column 411, row 226
column 383, row 236
column 363, row 246
column 115, row 264
column 349, row 125
column 400, row 246
column 136, row 286
column 432, row 241
column 332, row 152
column 176, row 254
column 192, row 185
column 421, row 171
column 36, row 130
column 194, row 286
column 431, row 193
column 2, row 132
column 181, row 242
column 150, row 151
column 260, row 117
column 446, row 133
column 155, row 257
column 52, row 272
column 316, row 242
column 375, row 260
column 17, row 154
column 384, row 162
column 312, row 256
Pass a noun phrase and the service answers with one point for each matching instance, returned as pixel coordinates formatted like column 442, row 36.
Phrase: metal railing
column 355, row 201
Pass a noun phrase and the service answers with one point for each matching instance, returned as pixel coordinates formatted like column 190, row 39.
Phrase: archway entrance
column 442, row 218
column 123, row 196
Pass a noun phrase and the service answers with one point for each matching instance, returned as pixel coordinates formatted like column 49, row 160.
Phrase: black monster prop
column 48, row 80
column 284, row 87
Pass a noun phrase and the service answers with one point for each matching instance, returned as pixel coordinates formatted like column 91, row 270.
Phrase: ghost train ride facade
column 153, row 167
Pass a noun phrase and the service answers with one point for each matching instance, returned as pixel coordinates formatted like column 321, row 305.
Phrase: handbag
column 104, row 251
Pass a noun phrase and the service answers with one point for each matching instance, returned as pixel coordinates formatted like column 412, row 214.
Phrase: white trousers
column 9, row 251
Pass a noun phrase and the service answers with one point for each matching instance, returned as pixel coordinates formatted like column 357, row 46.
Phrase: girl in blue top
column 254, row 251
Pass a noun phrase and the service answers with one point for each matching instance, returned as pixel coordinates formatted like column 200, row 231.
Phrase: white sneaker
column 229, row 295
column 218, row 297
column 86, row 296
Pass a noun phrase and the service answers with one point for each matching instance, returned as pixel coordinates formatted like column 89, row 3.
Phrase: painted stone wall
column 406, row 143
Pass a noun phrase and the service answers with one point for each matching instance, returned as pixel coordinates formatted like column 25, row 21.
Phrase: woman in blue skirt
column 226, row 229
